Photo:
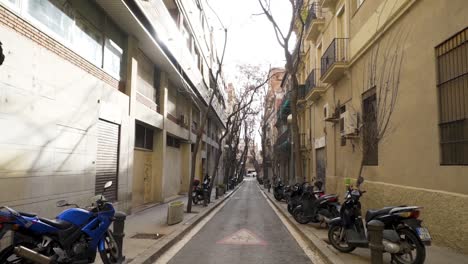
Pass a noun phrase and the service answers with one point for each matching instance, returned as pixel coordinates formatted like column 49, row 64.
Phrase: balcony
column 334, row 61
column 283, row 143
column 329, row 3
column 313, row 87
column 284, row 111
column 315, row 22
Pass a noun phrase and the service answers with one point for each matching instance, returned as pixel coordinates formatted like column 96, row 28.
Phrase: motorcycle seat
column 57, row 223
column 371, row 214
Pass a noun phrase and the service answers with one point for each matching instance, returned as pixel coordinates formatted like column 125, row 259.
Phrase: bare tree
column 204, row 121
column 381, row 77
column 284, row 37
column 240, row 111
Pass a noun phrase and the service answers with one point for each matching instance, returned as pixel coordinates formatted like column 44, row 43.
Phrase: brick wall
column 11, row 20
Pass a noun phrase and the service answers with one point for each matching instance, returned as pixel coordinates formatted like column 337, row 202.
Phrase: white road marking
column 169, row 254
column 313, row 256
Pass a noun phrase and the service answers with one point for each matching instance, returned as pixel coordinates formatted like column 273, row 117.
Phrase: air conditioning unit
column 350, row 123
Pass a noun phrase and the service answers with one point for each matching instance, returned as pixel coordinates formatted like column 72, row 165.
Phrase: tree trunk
column 295, row 133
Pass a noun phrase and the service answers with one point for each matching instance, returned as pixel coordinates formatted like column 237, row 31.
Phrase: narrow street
column 245, row 230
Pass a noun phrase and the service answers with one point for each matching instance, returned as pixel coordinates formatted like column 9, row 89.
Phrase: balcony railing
column 337, row 52
column 283, row 143
column 285, row 108
column 315, row 11
column 312, row 81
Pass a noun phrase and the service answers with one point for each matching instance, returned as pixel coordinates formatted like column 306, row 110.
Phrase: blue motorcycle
column 73, row 237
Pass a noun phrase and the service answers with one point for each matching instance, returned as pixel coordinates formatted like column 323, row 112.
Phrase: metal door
column 107, row 158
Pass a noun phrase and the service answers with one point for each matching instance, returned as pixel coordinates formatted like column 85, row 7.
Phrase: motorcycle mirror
column 107, row 185
column 62, row 203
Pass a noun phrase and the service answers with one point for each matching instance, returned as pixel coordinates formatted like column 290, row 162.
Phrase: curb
column 152, row 254
column 314, row 242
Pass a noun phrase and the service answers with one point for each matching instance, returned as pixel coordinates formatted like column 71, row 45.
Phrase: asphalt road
column 245, row 230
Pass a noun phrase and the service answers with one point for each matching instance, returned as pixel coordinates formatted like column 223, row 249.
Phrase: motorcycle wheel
column 277, row 196
column 195, row 199
column 414, row 245
column 290, row 208
column 334, row 237
column 111, row 253
column 300, row 216
column 7, row 256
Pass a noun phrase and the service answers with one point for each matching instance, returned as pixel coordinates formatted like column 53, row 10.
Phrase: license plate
column 423, row 234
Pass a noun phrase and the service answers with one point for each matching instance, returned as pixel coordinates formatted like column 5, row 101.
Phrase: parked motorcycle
column 294, row 197
column 197, row 192
column 316, row 207
column 403, row 237
column 73, row 237
column 278, row 191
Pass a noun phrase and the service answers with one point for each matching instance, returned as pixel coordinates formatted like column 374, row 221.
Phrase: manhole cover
column 147, row 236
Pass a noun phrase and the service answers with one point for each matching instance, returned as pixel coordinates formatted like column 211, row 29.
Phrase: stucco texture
column 443, row 213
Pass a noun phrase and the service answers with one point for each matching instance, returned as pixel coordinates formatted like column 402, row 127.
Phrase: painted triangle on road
column 243, row 237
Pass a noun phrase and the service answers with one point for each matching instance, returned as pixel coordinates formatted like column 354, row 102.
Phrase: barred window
column 452, row 86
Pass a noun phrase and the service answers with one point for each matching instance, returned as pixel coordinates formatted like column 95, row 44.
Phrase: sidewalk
column 154, row 235
column 318, row 238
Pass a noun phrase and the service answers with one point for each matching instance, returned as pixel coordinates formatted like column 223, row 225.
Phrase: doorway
column 321, row 165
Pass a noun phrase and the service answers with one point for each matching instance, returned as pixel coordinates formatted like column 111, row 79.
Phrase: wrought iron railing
column 336, row 52
column 312, row 81
column 315, row 11
column 283, row 138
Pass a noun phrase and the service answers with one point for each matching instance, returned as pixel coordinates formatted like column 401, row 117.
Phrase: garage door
column 107, row 158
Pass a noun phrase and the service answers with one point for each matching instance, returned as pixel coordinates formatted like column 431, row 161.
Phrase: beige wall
column 172, row 172
column 409, row 170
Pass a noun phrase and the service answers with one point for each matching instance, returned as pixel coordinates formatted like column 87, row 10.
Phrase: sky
column 251, row 39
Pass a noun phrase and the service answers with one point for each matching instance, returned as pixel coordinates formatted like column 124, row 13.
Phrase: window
column 112, row 58
column 452, row 86
column 78, row 25
column 172, row 142
column 370, row 131
column 157, row 86
column 14, row 4
column 143, row 137
column 187, row 36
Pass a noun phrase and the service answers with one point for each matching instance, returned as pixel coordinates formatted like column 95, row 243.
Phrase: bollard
column 375, row 228
column 119, row 225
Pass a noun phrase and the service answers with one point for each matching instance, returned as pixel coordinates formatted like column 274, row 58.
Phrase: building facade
column 271, row 116
column 354, row 48
column 103, row 90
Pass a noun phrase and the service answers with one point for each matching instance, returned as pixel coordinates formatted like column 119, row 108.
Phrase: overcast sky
column 251, row 38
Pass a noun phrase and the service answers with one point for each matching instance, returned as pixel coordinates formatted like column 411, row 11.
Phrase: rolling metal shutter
column 107, row 158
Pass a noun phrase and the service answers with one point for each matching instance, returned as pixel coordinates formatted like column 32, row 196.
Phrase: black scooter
column 403, row 236
column 294, row 197
column 278, row 191
column 316, row 206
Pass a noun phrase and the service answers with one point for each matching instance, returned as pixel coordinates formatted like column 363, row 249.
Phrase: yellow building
column 356, row 53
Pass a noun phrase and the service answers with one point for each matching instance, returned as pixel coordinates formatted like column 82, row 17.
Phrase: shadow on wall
column 50, row 133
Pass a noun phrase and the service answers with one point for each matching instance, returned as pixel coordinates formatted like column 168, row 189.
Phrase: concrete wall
column 172, row 172
column 48, row 114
